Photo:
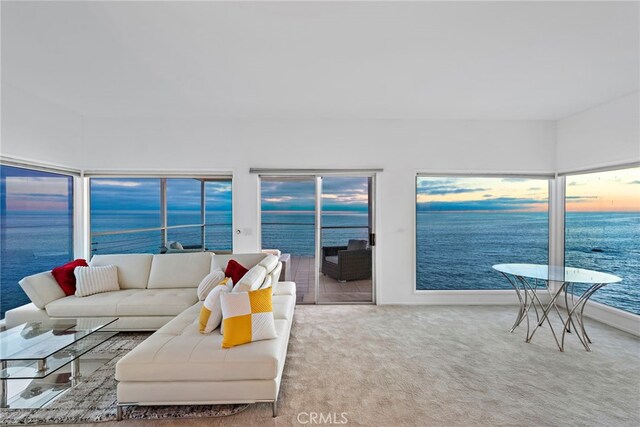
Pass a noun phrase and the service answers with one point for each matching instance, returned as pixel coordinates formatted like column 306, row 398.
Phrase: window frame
column 501, row 293
column 608, row 314
column 164, row 225
column 75, row 199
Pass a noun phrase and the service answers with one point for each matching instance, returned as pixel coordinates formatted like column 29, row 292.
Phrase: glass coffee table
column 45, row 356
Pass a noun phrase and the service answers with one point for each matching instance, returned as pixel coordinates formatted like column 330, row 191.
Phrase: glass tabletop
column 554, row 273
column 39, row 340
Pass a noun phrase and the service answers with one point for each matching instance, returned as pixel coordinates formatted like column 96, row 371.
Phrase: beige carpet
column 445, row 366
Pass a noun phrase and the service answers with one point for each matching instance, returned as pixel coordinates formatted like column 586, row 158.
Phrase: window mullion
column 163, row 209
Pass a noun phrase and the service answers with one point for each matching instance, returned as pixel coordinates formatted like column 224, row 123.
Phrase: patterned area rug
column 94, row 399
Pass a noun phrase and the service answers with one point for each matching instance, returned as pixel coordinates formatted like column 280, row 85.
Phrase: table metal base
column 527, row 294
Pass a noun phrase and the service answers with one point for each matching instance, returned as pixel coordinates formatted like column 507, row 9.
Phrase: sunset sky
column 597, row 192
column 604, row 191
column 482, row 194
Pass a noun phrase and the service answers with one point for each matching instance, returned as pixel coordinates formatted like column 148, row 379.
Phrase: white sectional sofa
column 176, row 364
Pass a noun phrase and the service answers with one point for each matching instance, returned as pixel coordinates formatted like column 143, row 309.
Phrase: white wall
column 400, row 147
column 36, row 129
column 602, row 136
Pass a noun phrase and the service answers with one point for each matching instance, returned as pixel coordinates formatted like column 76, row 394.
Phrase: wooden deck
column 303, row 274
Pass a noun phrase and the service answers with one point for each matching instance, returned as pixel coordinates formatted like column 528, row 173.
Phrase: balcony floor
column 302, row 273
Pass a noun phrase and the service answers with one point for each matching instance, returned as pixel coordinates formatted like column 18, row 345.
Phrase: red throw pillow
column 235, row 270
column 64, row 275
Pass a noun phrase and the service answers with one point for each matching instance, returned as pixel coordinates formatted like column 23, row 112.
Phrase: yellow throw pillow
column 211, row 311
column 247, row 317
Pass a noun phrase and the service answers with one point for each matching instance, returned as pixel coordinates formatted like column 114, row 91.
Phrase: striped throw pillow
column 247, row 317
column 209, row 282
column 95, row 280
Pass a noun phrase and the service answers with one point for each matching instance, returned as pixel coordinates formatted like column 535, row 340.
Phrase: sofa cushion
column 269, row 262
column 97, row 305
column 41, row 289
column 283, row 306
column 185, row 270
column 332, row 259
column 133, row 269
column 187, row 355
column 285, row 288
column 356, row 244
column 267, row 283
column 130, row 302
column 183, row 320
column 157, row 302
column 275, row 275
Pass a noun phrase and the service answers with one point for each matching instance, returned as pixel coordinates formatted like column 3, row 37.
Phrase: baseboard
column 619, row 319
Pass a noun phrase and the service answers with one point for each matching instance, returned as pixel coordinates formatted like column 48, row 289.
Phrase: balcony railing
column 298, row 238
column 153, row 240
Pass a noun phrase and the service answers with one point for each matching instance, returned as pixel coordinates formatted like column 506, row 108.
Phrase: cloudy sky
column 605, row 191
column 482, row 194
column 34, row 191
column 183, row 194
column 338, row 194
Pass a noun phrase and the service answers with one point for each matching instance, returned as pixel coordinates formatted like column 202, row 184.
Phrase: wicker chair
column 344, row 263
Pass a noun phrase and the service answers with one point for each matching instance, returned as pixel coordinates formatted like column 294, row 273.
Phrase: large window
column 157, row 215
column 602, row 231
column 466, row 225
column 36, row 228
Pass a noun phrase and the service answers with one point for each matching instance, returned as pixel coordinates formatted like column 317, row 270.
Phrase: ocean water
column 218, row 232
column 294, row 232
column 457, row 250
column 454, row 250
column 616, row 240
column 30, row 242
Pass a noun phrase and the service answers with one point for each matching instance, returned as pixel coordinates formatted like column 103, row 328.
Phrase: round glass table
column 528, row 279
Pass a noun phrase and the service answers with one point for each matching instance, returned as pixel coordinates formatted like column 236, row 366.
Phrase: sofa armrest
column 41, row 289
column 24, row 314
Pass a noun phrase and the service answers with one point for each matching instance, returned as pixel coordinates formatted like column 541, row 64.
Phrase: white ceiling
column 475, row 60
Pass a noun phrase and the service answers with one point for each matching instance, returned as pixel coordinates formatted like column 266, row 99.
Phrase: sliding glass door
column 324, row 228
column 288, row 224
column 346, row 234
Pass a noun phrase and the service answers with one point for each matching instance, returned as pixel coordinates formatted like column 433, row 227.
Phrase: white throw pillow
column 209, row 282
column 211, row 310
column 95, row 280
column 252, row 280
